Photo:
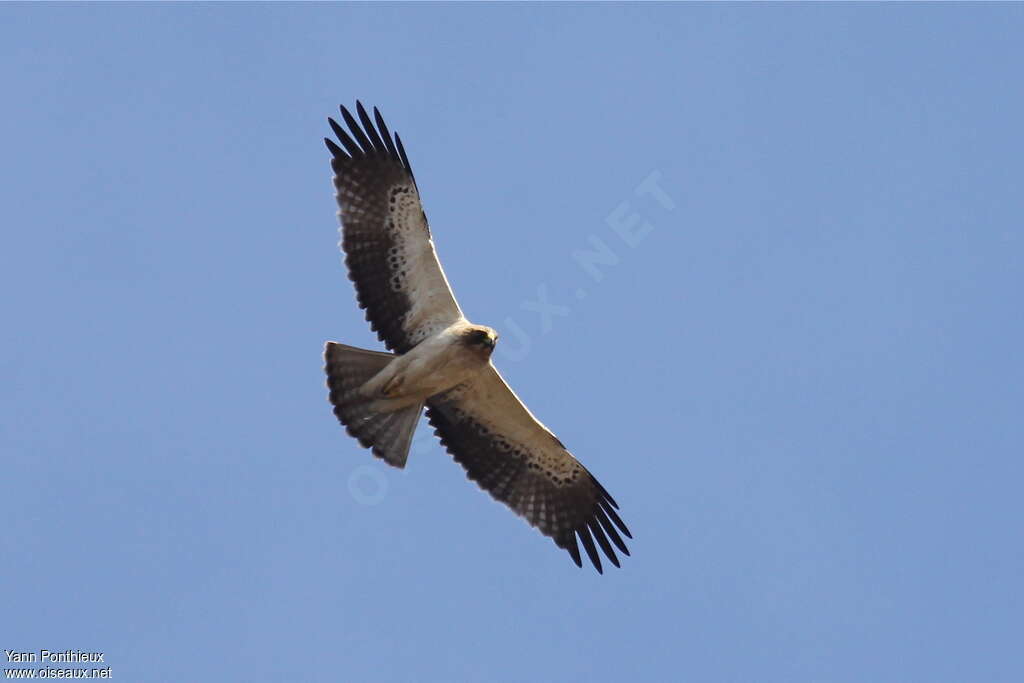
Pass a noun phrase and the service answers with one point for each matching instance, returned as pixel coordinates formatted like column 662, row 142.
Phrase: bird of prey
column 439, row 359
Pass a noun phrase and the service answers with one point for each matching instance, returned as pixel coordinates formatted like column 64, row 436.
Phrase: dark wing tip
column 604, row 492
column 351, row 147
column 588, row 544
column 371, row 130
column 602, row 518
column 574, row 550
column 369, row 137
column 386, row 134
column 334, row 149
column 405, row 159
column 602, row 540
column 610, row 511
column 357, row 132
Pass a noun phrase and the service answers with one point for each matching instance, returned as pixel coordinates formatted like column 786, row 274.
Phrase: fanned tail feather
column 388, row 434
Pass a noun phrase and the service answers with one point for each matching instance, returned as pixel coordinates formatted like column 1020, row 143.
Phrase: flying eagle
column 439, row 358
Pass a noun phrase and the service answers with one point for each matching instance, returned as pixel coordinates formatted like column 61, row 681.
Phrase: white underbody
column 433, row 366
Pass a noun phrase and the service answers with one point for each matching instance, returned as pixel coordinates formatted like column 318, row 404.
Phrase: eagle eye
column 481, row 337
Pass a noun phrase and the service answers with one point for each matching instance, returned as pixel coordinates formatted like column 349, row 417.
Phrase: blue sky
column 802, row 382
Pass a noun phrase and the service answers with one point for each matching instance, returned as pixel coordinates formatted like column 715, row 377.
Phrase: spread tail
column 389, row 434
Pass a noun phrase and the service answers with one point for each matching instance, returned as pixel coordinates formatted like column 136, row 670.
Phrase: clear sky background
column 802, row 382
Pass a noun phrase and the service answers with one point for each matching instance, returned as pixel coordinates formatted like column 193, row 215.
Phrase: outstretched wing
column 514, row 457
column 384, row 235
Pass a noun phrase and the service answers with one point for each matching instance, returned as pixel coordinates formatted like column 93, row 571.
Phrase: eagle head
column 480, row 337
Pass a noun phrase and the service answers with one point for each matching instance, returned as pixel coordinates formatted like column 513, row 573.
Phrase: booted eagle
column 441, row 360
